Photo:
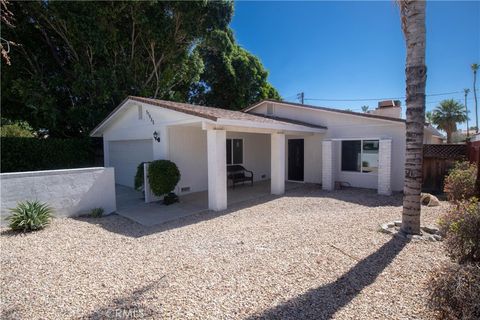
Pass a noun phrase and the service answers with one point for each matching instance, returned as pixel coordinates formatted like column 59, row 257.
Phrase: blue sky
column 350, row 50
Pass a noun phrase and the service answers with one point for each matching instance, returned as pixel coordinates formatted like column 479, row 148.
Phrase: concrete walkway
column 130, row 203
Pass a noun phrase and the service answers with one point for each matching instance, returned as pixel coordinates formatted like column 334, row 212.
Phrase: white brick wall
column 328, row 165
column 70, row 192
column 385, row 167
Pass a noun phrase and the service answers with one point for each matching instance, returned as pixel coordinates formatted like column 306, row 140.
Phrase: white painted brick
column 385, row 167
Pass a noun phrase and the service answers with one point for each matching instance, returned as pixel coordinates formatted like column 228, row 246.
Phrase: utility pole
column 301, row 97
column 466, row 109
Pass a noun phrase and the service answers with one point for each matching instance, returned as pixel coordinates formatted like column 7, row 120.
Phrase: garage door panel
column 125, row 156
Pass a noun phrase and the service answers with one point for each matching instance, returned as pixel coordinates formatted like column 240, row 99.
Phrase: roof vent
column 270, row 109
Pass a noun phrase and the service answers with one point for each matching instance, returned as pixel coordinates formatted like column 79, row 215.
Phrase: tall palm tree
column 474, row 69
column 447, row 115
column 413, row 24
column 365, row 109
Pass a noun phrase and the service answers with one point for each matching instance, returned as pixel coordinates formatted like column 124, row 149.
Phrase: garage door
column 125, row 156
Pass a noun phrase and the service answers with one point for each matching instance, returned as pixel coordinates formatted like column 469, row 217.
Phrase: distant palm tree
column 447, row 115
column 365, row 109
column 474, row 69
column 429, row 116
column 412, row 14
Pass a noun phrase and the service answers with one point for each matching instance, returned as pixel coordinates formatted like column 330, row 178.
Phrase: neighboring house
column 276, row 140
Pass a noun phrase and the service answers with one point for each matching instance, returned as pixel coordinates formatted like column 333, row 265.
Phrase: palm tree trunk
column 475, row 98
column 413, row 20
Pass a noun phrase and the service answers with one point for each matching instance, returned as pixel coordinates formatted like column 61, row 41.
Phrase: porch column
column 328, row 166
column 385, row 167
column 277, row 163
column 217, row 169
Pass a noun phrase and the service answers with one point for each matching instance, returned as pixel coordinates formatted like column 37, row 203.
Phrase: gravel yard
column 310, row 254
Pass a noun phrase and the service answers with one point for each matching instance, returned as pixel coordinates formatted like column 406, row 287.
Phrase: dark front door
column 295, row 159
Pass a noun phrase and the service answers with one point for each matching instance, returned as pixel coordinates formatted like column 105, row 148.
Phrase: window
column 360, row 156
column 234, row 151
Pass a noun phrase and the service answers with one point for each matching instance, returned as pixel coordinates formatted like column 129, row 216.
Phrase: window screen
column 351, row 155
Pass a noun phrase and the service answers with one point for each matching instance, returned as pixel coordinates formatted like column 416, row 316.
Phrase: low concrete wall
column 70, row 192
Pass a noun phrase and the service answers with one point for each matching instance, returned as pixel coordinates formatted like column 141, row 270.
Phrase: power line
column 388, row 98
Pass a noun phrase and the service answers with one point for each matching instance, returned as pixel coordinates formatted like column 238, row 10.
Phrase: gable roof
column 208, row 113
column 306, row 106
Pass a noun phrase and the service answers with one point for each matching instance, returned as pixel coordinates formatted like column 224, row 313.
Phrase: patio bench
column 237, row 173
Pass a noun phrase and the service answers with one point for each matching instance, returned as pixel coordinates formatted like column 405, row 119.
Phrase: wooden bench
column 238, row 174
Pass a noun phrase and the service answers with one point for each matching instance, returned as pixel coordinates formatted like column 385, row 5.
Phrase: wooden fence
column 438, row 159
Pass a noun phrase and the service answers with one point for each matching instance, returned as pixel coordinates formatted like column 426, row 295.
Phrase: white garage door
column 125, row 156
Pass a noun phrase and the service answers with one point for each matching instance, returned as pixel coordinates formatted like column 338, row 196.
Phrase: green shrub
column 138, row 182
column 30, row 216
column 460, row 227
column 460, row 183
column 96, row 212
column 32, row 154
column 454, row 291
column 163, row 176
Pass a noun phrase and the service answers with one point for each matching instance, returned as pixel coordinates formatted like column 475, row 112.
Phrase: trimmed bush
column 460, row 183
column 163, row 176
column 455, row 291
column 32, row 154
column 30, row 216
column 460, row 227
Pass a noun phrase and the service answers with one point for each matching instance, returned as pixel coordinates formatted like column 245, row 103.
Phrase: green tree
column 232, row 78
column 413, row 24
column 365, row 109
column 11, row 128
column 447, row 115
column 78, row 60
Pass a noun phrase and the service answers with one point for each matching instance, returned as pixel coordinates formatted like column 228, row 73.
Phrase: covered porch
column 217, row 154
column 131, row 203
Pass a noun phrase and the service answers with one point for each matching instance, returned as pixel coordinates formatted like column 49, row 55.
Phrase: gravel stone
column 308, row 255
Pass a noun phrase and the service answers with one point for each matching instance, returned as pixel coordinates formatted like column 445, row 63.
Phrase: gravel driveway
column 310, row 254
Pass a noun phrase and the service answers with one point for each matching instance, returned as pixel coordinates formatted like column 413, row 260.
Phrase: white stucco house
column 278, row 141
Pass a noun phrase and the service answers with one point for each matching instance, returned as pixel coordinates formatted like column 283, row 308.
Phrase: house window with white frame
column 360, row 156
column 234, row 151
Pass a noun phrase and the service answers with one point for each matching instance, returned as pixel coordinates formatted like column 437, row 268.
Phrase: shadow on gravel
column 323, row 302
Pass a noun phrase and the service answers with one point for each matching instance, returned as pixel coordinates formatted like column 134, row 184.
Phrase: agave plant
column 30, row 216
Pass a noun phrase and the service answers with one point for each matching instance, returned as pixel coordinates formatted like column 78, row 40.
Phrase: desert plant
column 460, row 183
column 454, row 291
column 138, row 182
column 163, row 176
column 96, row 212
column 30, row 216
column 460, row 227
